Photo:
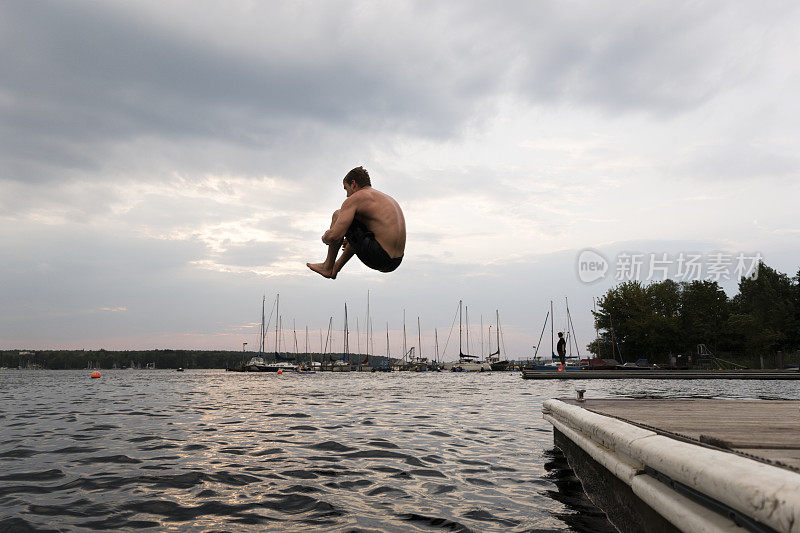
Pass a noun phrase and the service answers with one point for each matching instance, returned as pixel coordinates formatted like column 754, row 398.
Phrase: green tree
column 704, row 313
column 764, row 314
column 645, row 319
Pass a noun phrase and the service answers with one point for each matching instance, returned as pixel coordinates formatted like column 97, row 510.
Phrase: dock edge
column 763, row 493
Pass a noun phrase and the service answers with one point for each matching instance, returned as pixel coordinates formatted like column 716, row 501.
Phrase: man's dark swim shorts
column 368, row 250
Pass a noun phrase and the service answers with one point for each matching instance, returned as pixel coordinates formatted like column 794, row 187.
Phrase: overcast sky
column 164, row 165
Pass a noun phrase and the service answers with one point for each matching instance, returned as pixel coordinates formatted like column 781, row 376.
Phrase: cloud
column 736, row 161
column 180, row 157
column 84, row 78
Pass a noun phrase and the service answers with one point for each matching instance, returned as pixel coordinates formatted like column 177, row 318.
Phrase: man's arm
column 346, row 214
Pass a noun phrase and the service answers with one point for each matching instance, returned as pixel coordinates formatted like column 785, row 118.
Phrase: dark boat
column 494, row 358
column 501, row 365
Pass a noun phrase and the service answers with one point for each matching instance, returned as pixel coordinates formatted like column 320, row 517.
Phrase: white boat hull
column 472, row 366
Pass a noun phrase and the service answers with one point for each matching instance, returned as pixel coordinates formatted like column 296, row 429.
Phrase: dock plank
column 767, row 429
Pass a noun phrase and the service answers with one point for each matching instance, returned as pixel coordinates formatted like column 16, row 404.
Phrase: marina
column 685, row 464
column 281, row 359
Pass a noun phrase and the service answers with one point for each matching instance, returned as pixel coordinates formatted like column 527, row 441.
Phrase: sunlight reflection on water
column 202, row 450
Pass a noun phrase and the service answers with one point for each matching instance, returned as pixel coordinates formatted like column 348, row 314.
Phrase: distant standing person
column 370, row 224
column 561, row 348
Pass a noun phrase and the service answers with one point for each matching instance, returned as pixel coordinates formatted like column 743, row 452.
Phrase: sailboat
column 301, row 367
column 257, row 363
column 466, row 362
column 386, row 367
column 573, row 362
column 494, row 357
column 419, row 363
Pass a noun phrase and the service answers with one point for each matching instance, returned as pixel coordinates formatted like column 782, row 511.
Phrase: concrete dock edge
column 763, row 493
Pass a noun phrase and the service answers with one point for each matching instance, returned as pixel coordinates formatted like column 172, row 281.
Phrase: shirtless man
column 369, row 224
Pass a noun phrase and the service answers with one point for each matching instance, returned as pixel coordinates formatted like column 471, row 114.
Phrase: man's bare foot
column 322, row 270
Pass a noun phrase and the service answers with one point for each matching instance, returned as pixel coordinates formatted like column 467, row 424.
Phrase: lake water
column 207, row 450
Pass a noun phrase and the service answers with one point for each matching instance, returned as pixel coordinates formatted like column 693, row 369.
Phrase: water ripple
column 217, row 451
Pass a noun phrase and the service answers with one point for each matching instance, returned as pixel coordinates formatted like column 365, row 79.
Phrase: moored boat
column 466, row 362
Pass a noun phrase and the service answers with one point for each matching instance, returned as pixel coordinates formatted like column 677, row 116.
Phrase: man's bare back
column 374, row 226
column 381, row 214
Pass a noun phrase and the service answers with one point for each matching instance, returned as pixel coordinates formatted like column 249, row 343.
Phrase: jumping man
column 370, row 224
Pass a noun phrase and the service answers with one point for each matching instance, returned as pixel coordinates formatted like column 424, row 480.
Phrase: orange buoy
column 96, row 374
column 280, row 371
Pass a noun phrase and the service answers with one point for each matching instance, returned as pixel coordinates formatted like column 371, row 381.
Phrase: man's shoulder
column 363, row 196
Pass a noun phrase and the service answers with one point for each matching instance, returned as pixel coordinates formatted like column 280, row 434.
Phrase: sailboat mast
column 405, row 349
column 466, row 318
column 481, row 330
column 387, row 343
column 552, row 331
column 436, row 341
column 358, row 337
column 294, row 334
column 596, row 331
column 460, row 349
column 261, row 340
column 419, row 340
column 278, row 314
column 497, row 312
column 541, row 336
column 574, row 337
column 332, row 334
column 570, row 333
column 328, row 338
column 366, row 338
column 346, row 335
column 489, row 340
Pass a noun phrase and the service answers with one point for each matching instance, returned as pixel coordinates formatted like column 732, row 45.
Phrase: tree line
column 660, row 319
column 77, row 359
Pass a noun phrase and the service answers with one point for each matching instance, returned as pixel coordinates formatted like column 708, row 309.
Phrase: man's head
column 356, row 179
column 560, row 334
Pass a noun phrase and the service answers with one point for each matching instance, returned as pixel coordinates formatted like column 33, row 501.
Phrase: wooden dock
column 662, row 374
column 685, row 464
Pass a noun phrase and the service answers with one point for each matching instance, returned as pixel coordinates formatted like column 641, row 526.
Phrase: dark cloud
column 80, row 77
column 83, row 75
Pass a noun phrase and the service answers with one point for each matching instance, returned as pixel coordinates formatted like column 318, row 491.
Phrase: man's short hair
column 360, row 176
column 560, row 333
